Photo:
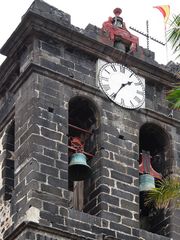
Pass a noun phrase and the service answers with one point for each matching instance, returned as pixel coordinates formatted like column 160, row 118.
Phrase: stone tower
column 50, row 106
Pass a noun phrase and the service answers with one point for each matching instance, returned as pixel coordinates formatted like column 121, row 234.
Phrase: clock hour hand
column 122, row 86
column 128, row 83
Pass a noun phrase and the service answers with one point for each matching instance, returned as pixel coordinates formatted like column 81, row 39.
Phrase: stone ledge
column 145, row 235
column 45, row 229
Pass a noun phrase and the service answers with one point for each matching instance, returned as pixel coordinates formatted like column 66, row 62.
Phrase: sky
column 135, row 13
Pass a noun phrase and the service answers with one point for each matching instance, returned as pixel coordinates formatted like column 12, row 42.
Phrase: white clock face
column 122, row 85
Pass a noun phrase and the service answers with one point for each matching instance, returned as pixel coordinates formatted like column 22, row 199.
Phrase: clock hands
column 128, row 83
column 113, row 95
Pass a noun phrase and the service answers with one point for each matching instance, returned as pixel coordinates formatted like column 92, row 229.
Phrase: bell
column 78, row 168
column 147, row 182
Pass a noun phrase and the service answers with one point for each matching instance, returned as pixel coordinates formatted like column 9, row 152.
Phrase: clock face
column 122, row 85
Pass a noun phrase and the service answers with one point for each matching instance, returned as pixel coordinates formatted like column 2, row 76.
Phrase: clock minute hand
column 122, row 86
column 115, row 94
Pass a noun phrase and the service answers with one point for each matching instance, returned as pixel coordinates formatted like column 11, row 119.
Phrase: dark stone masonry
column 49, row 99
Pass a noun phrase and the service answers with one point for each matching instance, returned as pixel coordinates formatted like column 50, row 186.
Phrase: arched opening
column 155, row 143
column 82, row 133
column 154, row 139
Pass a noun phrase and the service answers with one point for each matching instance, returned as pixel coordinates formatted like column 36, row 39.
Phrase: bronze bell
column 78, row 168
column 147, row 182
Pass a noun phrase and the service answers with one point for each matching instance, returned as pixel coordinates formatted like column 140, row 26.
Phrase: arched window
column 155, row 143
column 82, row 126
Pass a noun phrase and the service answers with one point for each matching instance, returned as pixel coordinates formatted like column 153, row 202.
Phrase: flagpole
column 165, row 10
column 165, row 33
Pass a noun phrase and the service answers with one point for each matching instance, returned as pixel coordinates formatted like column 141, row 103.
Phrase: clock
column 122, row 85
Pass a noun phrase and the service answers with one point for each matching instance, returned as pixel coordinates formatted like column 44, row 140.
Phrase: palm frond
column 174, row 97
column 167, row 189
column 174, row 34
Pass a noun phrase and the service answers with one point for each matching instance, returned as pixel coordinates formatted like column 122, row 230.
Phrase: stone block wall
column 5, row 217
column 6, row 176
column 42, row 164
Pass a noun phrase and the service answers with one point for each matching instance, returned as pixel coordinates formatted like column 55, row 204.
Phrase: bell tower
column 83, row 116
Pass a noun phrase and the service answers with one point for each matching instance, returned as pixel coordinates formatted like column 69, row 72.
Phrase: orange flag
column 165, row 10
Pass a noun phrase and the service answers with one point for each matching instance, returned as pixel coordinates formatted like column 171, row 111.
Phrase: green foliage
column 167, row 189
column 174, row 39
column 174, row 97
column 174, row 34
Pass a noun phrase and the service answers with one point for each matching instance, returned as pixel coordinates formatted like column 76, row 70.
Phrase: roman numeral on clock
column 131, row 103
column 131, row 75
column 113, row 67
column 138, row 100
column 140, row 92
column 105, row 79
column 137, row 84
column 106, row 71
column 106, row 87
column 122, row 68
column 122, row 102
column 113, row 95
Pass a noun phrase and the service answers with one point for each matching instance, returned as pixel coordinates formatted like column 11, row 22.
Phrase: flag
column 165, row 10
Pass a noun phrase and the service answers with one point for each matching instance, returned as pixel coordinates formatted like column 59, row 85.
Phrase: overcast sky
column 134, row 13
